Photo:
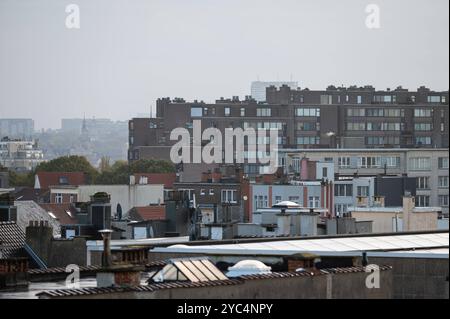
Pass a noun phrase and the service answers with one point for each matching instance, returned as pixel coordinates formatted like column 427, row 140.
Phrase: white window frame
column 229, row 196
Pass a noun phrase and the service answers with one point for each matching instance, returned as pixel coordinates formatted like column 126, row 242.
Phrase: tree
column 117, row 174
column 104, row 164
column 72, row 163
column 152, row 166
column 21, row 179
column 120, row 171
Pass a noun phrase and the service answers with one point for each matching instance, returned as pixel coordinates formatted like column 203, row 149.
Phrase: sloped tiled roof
column 61, row 212
column 86, row 292
column 12, row 240
column 30, row 193
column 30, row 211
column 148, row 213
column 47, row 179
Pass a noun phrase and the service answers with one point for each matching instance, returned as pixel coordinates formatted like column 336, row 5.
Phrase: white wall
column 128, row 196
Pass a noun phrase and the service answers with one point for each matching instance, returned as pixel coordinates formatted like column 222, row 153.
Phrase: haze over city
column 125, row 57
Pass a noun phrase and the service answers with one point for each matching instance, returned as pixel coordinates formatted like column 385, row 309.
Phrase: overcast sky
column 126, row 54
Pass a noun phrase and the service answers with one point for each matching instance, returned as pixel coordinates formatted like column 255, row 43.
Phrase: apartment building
column 429, row 167
column 19, row 155
column 354, row 117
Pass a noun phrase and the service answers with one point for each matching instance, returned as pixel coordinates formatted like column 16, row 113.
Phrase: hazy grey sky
column 128, row 53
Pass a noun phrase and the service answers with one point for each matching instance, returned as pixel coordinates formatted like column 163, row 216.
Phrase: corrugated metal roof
column 321, row 246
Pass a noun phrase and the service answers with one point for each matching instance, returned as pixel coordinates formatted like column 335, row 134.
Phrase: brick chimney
column 38, row 236
column 362, row 201
column 378, row 201
column 216, row 176
column 302, row 261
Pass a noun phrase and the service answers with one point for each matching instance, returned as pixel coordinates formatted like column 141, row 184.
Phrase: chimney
column 304, row 169
column 408, row 208
column 39, row 235
column 206, row 177
column 362, row 201
column 302, row 262
column 110, row 275
column 378, row 201
column 216, row 176
column 106, row 255
column 283, row 223
column 99, row 211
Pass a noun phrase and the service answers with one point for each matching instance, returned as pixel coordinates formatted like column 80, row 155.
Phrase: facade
column 371, row 191
column 20, row 156
column 358, row 117
column 4, row 179
column 307, row 194
column 337, row 117
column 17, row 128
column 398, row 219
column 258, row 88
column 429, row 167
column 123, row 197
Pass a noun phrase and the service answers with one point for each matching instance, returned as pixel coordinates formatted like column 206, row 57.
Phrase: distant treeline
column 117, row 173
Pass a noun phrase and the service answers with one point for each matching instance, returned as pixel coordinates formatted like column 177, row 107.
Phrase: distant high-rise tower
column 258, row 88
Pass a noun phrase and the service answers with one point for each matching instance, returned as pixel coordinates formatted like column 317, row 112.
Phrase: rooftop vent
column 248, row 267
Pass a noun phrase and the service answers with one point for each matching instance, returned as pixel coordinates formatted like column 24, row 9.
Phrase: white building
column 428, row 166
column 397, row 219
column 20, row 155
column 123, row 196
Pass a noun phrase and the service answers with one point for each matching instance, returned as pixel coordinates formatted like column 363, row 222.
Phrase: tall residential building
column 17, row 128
column 258, row 88
column 20, row 156
column 334, row 118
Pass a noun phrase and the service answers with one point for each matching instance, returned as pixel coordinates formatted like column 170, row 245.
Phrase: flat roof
column 120, row 243
column 322, row 246
column 393, row 209
column 364, row 150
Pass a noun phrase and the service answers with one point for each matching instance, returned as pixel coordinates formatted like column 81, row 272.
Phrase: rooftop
column 12, row 240
column 336, row 246
column 64, row 213
column 393, row 209
column 86, row 292
column 146, row 213
column 46, row 179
